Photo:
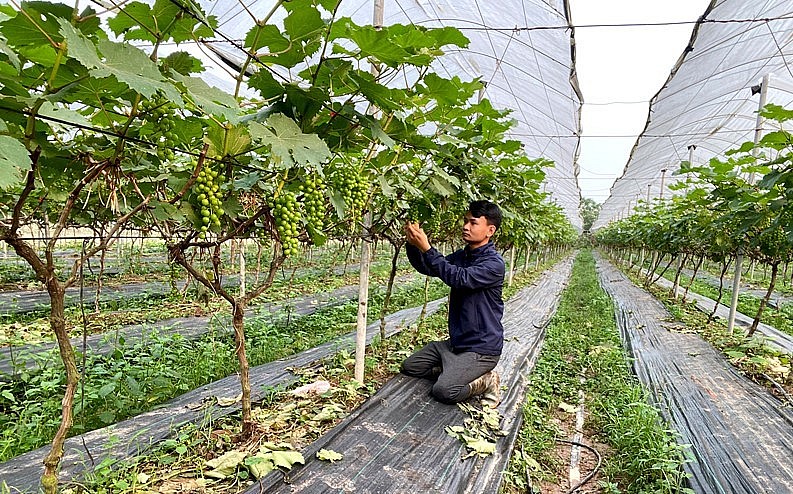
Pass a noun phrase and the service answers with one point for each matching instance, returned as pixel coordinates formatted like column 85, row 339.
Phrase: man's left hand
column 416, row 236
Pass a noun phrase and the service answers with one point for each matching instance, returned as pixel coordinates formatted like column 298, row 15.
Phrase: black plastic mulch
column 772, row 336
column 395, row 442
column 21, row 302
column 741, row 437
column 24, row 301
column 30, row 357
column 131, row 437
column 776, row 301
column 34, row 356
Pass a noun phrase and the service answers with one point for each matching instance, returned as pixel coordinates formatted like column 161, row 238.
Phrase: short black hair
column 490, row 211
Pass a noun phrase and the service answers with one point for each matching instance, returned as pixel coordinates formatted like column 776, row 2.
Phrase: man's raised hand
column 416, row 236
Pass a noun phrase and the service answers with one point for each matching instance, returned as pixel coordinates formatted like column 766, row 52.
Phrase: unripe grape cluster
column 353, row 188
column 206, row 193
column 773, row 241
column 287, row 221
column 162, row 114
column 314, row 202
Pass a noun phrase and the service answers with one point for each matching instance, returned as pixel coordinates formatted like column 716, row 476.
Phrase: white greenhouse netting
column 708, row 101
column 528, row 71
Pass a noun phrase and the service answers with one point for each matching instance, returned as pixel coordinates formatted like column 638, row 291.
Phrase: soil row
column 772, row 336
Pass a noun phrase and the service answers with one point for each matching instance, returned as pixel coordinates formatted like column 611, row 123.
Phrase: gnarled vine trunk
column 56, row 290
column 765, row 299
column 238, row 323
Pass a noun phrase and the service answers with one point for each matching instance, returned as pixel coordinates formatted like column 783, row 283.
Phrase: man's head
column 480, row 223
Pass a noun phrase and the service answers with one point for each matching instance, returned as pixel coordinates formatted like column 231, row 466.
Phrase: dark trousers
column 456, row 369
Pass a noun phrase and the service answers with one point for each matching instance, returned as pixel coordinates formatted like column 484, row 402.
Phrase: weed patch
column 582, row 352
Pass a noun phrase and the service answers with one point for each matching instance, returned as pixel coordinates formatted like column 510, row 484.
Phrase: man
column 464, row 363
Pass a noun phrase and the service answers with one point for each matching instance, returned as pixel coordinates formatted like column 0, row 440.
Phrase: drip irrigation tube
column 593, row 472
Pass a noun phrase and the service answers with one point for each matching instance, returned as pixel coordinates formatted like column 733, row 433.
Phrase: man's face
column 476, row 230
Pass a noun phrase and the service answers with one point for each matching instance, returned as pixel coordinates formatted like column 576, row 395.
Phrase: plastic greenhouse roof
column 528, row 71
column 708, row 101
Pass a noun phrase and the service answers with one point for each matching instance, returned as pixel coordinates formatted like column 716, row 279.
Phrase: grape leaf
column 64, row 114
column 287, row 143
column 225, row 465
column 229, row 141
column 8, row 52
column 303, row 19
column 210, row 99
column 126, row 63
column 182, row 63
column 14, row 160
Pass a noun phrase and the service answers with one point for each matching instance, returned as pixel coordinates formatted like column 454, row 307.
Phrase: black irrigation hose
column 594, row 470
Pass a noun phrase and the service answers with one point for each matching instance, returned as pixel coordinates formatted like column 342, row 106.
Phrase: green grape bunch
column 353, row 188
column 287, row 221
column 773, row 242
column 161, row 112
column 417, row 211
column 206, row 197
column 313, row 199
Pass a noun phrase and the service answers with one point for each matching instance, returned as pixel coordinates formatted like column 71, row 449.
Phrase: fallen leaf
column 566, row 407
column 285, row 459
column 479, row 446
column 225, row 465
column 227, row 402
column 259, row 465
column 328, row 412
column 329, row 455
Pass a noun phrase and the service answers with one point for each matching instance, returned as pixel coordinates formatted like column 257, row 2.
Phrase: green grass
column 582, row 342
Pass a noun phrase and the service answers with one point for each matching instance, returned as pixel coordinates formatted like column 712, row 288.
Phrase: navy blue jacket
column 476, row 277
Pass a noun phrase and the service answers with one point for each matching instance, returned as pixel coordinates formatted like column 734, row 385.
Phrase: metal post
column 758, row 128
column 648, row 192
column 511, row 265
column 663, row 176
column 363, row 300
column 736, row 281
